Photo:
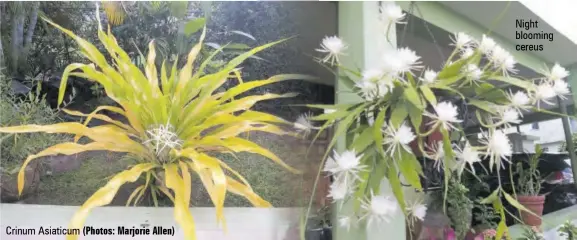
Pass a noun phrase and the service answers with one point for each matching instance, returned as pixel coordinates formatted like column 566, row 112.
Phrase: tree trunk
column 31, row 26
column 1, row 48
column 17, row 35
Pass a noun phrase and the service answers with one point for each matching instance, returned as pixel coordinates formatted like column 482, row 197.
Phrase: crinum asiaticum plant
column 176, row 120
column 379, row 129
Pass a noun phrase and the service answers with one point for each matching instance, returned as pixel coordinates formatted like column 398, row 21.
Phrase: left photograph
column 164, row 120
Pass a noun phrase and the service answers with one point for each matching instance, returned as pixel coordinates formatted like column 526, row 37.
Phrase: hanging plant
column 397, row 93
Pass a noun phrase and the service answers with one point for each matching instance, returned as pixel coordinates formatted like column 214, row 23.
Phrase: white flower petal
column 390, row 12
column 557, row 73
column 333, row 47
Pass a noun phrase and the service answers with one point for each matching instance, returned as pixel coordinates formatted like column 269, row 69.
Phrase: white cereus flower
column 333, row 47
column 508, row 116
column 346, row 163
column 544, row 92
column 429, row 76
column 468, row 155
column 395, row 139
column 379, row 208
column 418, row 211
column 303, row 125
column 392, row 13
column 462, row 40
column 437, row 154
column 487, row 45
column 373, row 75
column 473, row 72
column 339, row 190
column 561, row 88
column 498, row 148
column 557, row 73
column 503, row 60
column 467, row 52
column 401, row 61
column 345, row 222
column 445, row 115
column 409, row 58
column 372, row 91
column 519, row 101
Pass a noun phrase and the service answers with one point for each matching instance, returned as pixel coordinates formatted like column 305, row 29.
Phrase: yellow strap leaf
column 66, row 149
column 104, row 133
column 150, row 70
column 242, row 190
column 136, row 191
column 186, row 72
column 235, row 129
column 187, row 180
column 94, row 114
column 181, row 207
column 247, row 102
column 218, row 186
column 241, row 145
column 105, row 194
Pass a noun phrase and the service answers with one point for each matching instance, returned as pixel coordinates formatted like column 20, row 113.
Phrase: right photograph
column 453, row 120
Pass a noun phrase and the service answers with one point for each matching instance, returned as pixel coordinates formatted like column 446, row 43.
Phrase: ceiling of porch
column 487, row 14
column 433, row 45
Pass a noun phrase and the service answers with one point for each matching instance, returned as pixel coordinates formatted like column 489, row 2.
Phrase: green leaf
column 347, row 81
column 502, row 229
column 516, row 204
column 194, row 26
column 330, row 116
column 396, row 186
column 483, row 105
column 363, row 141
column 551, row 112
column 451, row 71
column 413, row 97
column 238, row 46
column 344, row 125
column 243, row 34
column 415, row 115
column 370, row 177
column 514, row 81
column 377, row 133
column 429, row 95
column 399, row 114
column 410, row 168
column 449, row 89
column 491, row 198
column 342, row 106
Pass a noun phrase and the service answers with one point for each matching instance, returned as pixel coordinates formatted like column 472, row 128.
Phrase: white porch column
column 360, row 27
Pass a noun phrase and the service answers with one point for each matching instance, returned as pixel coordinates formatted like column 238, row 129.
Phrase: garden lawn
column 272, row 182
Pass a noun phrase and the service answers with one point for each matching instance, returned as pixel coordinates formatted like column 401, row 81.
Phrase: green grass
column 75, row 187
column 272, row 182
column 268, row 179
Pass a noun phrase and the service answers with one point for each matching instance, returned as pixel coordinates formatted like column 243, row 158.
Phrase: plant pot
column 535, row 205
column 430, row 140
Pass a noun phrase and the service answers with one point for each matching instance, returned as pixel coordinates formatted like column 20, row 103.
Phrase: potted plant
column 528, row 188
column 319, row 225
column 531, row 233
column 568, row 230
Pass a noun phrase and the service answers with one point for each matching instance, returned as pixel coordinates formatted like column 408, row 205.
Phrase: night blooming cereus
column 175, row 123
column 381, row 129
